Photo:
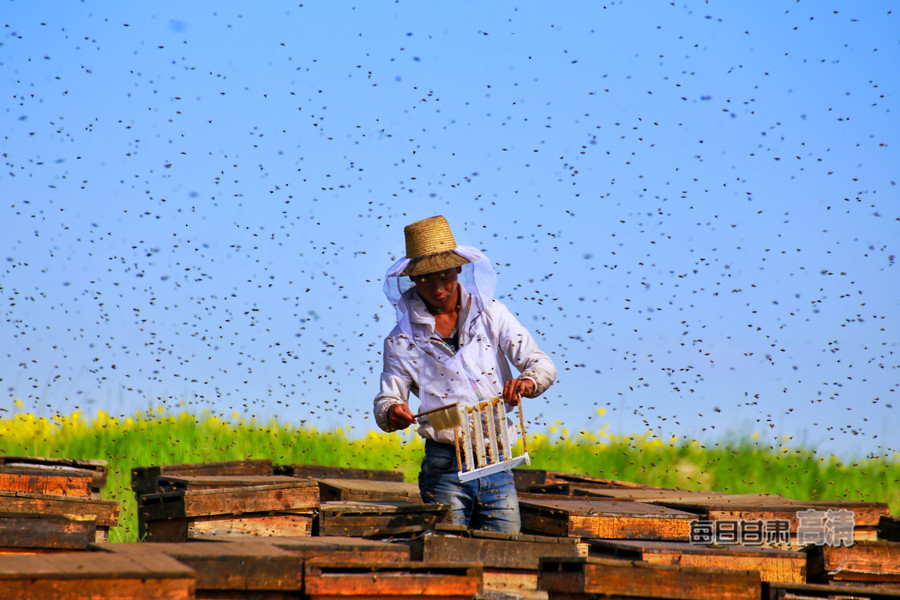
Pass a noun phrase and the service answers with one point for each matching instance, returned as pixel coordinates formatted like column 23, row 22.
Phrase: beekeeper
column 452, row 344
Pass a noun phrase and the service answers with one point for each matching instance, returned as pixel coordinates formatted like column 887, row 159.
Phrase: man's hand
column 514, row 389
column 400, row 416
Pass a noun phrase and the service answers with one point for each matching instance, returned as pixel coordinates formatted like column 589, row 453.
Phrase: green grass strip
column 158, row 437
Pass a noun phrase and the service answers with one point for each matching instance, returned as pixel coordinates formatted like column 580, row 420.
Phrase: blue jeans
column 487, row 503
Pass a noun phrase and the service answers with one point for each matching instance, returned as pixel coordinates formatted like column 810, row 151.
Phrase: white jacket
column 428, row 368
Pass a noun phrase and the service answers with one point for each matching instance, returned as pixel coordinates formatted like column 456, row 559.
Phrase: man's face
column 436, row 289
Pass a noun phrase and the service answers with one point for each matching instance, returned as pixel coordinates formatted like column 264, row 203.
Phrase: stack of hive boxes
column 251, row 529
column 51, row 504
column 255, row 497
column 647, row 542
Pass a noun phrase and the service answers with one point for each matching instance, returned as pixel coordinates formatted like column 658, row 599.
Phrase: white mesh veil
column 478, row 277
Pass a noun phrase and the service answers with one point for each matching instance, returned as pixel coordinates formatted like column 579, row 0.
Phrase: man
column 452, row 345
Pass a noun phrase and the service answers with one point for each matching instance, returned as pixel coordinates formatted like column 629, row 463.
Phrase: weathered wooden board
column 519, row 584
column 325, row 472
column 99, row 468
column 332, row 490
column 260, row 524
column 284, row 509
column 56, row 481
column 173, row 483
column 249, row 524
column 333, row 548
column 326, row 579
column 526, row 478
column 81, row 575
column 634, row 579
column 298, row 494
column 46, row 531
column 104, row 512
column 866, row 514
column 771, row 564
column 378, row 518
column 226, row 565
column 603, row 519
column 493, row 550
column 651, row 495
column 865, row 561
column 811, row 591
column 144, row 480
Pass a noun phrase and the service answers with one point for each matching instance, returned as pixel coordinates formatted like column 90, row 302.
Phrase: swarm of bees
column 693, row 208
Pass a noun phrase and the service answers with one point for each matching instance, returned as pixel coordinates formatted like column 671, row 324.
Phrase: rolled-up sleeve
column 520, row 348
column 396, row 384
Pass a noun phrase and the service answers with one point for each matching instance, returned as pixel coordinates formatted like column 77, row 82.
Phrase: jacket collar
column 420, row 318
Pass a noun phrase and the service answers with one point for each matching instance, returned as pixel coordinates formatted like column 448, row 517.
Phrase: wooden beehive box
column 174, row 483
column 863, row 562
column 269, row 568
column 867, row 515
column 595, row 518
column 648, row 495
column 55, row 481
column 324, row 472
column 30, row 532
column 771, row 564
column 104, row 513
column 282, row 509
column 80, row 575
column 338, row 548
column 575, row 578
column 328, row 579
column 377, row 518
column 145, row 480
column 232, row 568
column 526, row 478
column 509, row 562
column 98, row 469
column 769, row 508
column 345, row 490
column 492, row 549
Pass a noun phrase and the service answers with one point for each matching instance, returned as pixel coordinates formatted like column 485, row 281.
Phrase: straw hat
column 429, row 247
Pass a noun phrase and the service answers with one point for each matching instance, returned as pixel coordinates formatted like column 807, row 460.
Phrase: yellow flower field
column 160, row 437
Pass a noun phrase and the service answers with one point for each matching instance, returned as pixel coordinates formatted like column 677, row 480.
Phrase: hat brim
column 434, row 263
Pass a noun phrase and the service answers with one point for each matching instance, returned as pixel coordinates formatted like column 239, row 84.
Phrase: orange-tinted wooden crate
column 97, row 468
column 278, row 509
column 771, row 564
column 105, row 513
column 225, row 565
column 863, row 562
column 39, row 480
column 325, row 580
column 94, row 576
column 378, row 518
column 767, row 508
column 581, row 577
column 566, row 516
column 22, row 532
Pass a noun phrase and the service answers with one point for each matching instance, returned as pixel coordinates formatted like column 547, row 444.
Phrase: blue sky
column 693, row 206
